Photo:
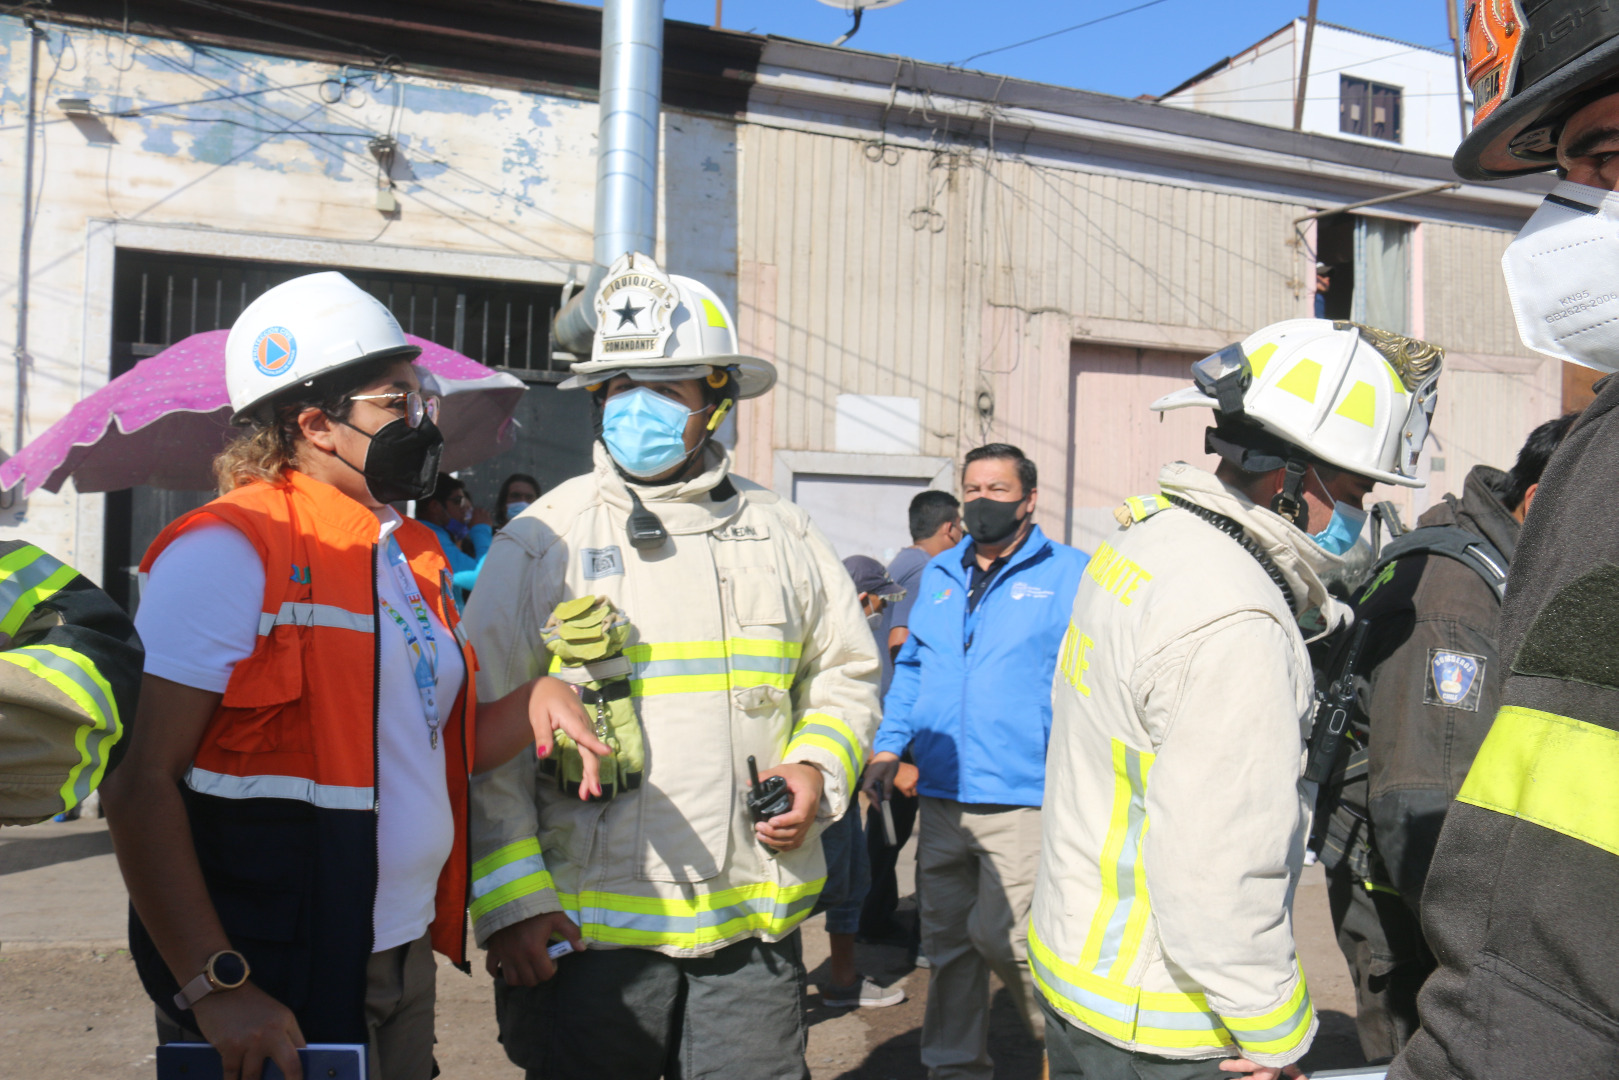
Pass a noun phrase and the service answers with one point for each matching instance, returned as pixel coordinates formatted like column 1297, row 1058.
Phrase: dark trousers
column 634, row 1014
column 882, row 900
column 1075, row 1054
column 1382, row 940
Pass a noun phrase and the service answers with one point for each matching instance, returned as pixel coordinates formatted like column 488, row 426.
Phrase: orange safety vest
column 282, row 793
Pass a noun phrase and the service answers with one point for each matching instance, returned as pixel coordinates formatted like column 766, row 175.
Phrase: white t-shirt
column 199, row 616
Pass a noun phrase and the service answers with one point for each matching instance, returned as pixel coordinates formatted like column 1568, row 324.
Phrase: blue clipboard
column 321, row 1061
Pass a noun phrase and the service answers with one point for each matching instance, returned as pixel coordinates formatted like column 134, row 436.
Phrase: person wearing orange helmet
column 1520, row 900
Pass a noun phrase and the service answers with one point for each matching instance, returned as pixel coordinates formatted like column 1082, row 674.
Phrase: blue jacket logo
column 942, row 595
column 1453, row 675
column 1022, row 590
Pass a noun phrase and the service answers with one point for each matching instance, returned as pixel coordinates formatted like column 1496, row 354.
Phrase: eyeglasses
column 415, row 403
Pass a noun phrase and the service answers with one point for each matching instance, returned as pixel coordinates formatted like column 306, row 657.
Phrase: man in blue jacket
column 971, row 697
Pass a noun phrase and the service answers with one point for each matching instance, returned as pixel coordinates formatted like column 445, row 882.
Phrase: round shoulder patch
column 274, row 350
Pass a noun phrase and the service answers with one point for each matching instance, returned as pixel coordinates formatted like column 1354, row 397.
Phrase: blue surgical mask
column 645, row 432
column 515, row 508
column 1343, row 530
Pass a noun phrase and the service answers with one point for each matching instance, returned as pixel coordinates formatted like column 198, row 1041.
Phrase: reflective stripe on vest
column 326, row 796
column 1554, row 771
column 508, row 873
column 1120, row 920
column 293, row 613
column 686, row 667
column 28, row 577
column 829, row 733
column 684, row 923
column 75, row 675
column 1168, row 1021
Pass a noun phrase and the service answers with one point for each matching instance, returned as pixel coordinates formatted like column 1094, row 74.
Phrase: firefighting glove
column 587, row 637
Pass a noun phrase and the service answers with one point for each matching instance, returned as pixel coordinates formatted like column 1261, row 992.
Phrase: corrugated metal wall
column 1465, row 294
column 879, row 270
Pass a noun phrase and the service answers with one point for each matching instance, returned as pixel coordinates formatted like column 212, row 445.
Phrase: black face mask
column 402, row 461
column 989, row 521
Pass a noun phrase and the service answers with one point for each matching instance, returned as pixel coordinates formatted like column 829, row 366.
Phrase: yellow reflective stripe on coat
column 1168, row 1021
column 1555, row 771
column 28, row 577
column 687, row 667
column 1143, row 507
column 75, row 675
column 1120, row 920
column 1279, row 1031
column 687, row 923
column 508, row 873
column 829, row 733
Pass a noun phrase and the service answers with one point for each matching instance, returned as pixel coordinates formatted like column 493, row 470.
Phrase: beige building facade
column 934, row 258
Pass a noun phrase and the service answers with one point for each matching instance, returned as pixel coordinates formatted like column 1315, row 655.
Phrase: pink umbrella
column 162, row 422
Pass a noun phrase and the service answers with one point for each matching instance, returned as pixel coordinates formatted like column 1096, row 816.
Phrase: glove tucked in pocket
column 587, row 636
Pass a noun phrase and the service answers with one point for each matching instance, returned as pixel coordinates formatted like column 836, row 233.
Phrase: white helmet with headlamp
column 1304, row 390
column 656, row 327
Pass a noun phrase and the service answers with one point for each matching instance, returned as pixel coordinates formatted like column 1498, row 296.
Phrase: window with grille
column 1368, row 108
column 161, row 299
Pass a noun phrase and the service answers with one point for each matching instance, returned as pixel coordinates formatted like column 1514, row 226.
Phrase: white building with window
column 1361, row 86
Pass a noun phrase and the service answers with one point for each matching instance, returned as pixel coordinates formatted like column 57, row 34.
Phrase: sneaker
column 861, row 994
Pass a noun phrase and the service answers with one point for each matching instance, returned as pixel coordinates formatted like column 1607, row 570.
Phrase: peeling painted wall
column 223, row 142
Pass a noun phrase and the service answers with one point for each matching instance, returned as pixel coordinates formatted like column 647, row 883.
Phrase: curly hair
column 269, row 446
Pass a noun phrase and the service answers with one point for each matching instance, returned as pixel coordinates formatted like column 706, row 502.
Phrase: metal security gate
column 160, row 299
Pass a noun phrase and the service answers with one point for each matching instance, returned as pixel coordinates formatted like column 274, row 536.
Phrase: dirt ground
column 71, row 1006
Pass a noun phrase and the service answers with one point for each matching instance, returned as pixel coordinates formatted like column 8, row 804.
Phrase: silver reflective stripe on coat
column 1124, row 868
column 75, row 675
column 505, row 875
column 293, row 613
column 660, row 669
column 326, row 796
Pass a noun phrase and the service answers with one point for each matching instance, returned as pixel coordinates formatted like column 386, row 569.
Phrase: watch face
column 229, row 969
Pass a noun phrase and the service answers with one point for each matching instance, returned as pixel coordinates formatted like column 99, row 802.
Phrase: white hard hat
column 654, row 327
column 1353, row 396
column 303, row 328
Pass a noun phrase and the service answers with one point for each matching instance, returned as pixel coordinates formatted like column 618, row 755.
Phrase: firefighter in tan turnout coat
column 1175, row 814
column 745, row 639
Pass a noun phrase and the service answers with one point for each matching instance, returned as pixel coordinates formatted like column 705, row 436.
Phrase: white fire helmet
column 1353, row 396
column 657, row 327
column 303, row 328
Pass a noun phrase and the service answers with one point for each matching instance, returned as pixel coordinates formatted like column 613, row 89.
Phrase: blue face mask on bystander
column 644, row 431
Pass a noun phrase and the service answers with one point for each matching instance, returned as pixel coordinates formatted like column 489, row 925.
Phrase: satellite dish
column 857, row 8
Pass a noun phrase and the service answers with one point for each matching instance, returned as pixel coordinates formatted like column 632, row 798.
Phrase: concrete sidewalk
column 72, row 1007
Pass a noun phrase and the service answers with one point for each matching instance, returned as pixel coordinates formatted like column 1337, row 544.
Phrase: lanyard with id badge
column 423, row 649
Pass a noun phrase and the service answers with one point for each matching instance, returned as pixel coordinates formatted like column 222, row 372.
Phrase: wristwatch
column 225, row 970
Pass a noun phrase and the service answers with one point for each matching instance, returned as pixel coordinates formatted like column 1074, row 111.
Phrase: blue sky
column 1145, row 52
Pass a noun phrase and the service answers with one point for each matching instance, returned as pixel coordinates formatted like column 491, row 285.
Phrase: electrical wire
column 1052, row 34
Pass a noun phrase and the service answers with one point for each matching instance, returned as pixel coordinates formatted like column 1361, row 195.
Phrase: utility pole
column 1304, row 68
column 719, row 10
column 25, row 248
column 1456, row 47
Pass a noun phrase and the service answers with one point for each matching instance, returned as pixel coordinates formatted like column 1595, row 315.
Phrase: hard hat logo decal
column 634, row 309
column 274, row 350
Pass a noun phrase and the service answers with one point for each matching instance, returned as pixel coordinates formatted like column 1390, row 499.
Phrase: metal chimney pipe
column 626, row 154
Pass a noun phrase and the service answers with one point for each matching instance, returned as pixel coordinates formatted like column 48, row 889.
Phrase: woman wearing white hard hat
column 745, row 644
column 291, row 816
